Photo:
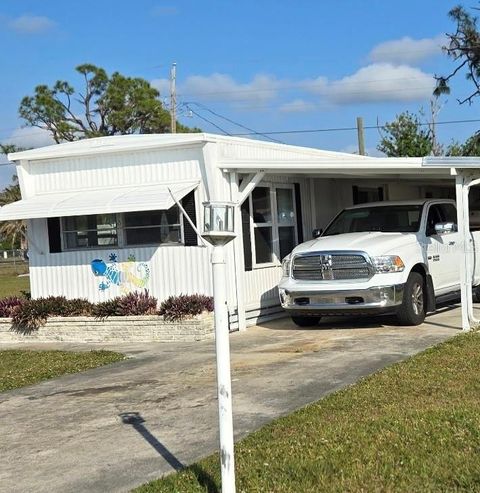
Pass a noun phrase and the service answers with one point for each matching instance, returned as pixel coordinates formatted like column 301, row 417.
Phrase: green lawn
column 20, row 368
column 10, row 283
column 414, row 426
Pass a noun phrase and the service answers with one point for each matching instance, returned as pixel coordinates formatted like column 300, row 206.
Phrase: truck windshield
column 388, row 219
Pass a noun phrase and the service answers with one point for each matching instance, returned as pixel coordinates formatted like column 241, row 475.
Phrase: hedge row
column 28, row 314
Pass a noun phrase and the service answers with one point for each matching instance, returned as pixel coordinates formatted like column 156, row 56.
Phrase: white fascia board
column 312, row 165
column 86, row 148
column 452, row 162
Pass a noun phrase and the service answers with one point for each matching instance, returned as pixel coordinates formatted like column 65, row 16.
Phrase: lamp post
column 219, row 230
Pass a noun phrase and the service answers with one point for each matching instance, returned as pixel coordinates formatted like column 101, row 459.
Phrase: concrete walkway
column 114, row 428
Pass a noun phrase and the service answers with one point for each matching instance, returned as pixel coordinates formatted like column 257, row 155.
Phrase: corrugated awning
column 106, row 201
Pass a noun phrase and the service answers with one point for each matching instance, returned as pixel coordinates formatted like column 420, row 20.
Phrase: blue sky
column 268, row 65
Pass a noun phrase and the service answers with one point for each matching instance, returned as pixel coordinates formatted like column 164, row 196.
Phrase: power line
column 209, row 121
column 235, row 123
column 344, row 129
column 300, row 131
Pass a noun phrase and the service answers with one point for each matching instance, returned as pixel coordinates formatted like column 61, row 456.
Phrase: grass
column 20, row 368
column 414, row 426
column 10, row 283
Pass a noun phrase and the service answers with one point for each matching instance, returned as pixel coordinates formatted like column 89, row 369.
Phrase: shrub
column 9, row 305
column 28, row 314
column 137, row 304
column 78, row 307
column 180, row 307
column 26, row 294
column 129, row 304
column 105, row 309
column 31, row 314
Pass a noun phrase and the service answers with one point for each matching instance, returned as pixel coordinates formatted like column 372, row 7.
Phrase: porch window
column 262, row 224
column 286, row 220
column 152, row 227
column 362, row 195
column 121, row 230
column 273, row 223
column 90, row 231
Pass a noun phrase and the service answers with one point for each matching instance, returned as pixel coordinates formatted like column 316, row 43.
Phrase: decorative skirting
column 112, row 329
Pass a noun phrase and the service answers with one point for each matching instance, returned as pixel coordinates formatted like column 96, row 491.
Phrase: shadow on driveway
column 137, row 422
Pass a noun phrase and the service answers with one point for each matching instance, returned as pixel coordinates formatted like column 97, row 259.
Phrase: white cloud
column 378, row 82
column 162, row 85
column 407, row 50
column 29, row 137
column 31, row 24
column 222, row 87
column 297, row 106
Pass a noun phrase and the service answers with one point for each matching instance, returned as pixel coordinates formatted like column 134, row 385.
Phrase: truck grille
column 321, row 266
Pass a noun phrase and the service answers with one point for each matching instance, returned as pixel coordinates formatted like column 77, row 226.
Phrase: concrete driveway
column 114, row 428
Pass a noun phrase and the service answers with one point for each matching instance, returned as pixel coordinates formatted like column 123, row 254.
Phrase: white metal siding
column 109, row 171
column 173, row 270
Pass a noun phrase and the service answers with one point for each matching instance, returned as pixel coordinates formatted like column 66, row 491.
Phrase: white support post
column 224, row 386
column 471, row 257
column 238, row 253
column 459, row 184
column 248, row 186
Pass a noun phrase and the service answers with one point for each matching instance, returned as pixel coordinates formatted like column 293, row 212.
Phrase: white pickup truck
column 385, row 257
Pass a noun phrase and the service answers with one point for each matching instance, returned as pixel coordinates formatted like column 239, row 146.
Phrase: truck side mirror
column 316, row 233
column 442, row 228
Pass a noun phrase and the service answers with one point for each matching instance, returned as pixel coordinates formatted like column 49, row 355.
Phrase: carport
column 327, row 184
column 466, row 171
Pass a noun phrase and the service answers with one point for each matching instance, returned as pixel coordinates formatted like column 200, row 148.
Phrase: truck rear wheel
column 412, row 309
column 305, row 321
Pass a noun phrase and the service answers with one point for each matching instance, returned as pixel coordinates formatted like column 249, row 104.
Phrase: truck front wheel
column 412, row 309
column 305, row 321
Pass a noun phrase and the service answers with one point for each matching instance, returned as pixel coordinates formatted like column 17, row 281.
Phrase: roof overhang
column 354, row 166
column 106, row 201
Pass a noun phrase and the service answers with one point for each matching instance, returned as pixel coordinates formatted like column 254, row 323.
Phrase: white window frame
column 64, row 231
column 172, row 243
column 121, row 236
column 273, row 224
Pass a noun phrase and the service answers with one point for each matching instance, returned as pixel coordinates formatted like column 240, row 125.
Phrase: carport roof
column 339, row 166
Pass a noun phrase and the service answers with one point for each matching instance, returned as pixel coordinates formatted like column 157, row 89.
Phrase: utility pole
column 361, row 136
column 173, row 99
column 434, row 110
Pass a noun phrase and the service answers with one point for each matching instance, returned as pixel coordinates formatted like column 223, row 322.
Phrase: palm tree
column 13, row 229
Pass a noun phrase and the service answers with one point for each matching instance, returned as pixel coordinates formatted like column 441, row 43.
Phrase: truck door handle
column 452, row 243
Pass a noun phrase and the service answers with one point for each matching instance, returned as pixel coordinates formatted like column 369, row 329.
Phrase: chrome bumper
column 378, row 298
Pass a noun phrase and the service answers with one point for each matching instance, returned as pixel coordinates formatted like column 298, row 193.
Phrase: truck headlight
column 286, row 262
column 388, row 263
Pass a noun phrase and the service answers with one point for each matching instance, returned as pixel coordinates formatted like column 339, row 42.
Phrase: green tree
column 464, row 48
column 107, row 105
column 405, row 137
column 12, row 233
column 471, row 147
column 8, row 148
